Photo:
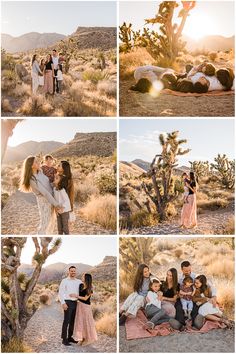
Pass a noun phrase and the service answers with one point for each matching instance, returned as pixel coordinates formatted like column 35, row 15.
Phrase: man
column 48, row 169
column 55, row 60
column 69, row 285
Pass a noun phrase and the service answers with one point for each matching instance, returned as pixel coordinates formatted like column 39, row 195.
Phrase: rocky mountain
column 142, row 164
column 97, row 144
column 29, row 41
column 106, row 270
column 95, row 37
column 20, row 152
column 129, row 168
column 210, row 43
column 179, row 170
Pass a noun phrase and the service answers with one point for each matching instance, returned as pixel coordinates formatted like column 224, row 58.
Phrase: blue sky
column 206, row 138
column 19, row 17
column 88, row 250
column 62, row 130
column 208, row 17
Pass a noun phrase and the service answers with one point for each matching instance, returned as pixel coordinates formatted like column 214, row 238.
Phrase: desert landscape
column 45, row 315
column 93, row 160
column 160, row 39
column 161, row 254
column 143, row 212
column 89, row 70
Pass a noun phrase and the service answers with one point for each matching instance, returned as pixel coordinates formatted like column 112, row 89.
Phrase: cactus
column 160, row 172
column 125, row 36
column 224, row 168
column 200, row 168
column 16, row 289
column 134, row 251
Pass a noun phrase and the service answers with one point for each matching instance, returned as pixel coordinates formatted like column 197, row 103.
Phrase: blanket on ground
column 182, row 94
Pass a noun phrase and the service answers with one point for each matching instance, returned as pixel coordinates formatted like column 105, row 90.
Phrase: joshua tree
column 69, row 48
column 136, row 250
column 8, row 126
column 201, row 168
column 225, row 170
column 125, row 36
column 160, row 172
column 16, row 289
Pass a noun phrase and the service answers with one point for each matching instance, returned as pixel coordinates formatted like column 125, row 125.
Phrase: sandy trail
column 20, row 217
column 43, row 334
column 134, row 104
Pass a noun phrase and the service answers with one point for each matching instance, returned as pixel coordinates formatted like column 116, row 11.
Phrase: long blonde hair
column 27, row 174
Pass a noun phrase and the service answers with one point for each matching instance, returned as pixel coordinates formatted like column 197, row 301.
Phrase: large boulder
column 21, row 71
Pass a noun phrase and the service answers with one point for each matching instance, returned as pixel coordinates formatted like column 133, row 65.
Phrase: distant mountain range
column 106, row 270
column 96, row 144
column 210, row 43
column 139, row 166
column 86, row 38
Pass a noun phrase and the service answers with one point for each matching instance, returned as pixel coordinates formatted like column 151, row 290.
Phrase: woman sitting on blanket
column 136, row 300
column 170, row 288
column 207, row 303
column 198, row 79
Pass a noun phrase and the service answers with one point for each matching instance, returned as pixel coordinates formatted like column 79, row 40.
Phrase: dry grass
column 229, row 227
column 107, row 325
column 36, row 106
column 221, row 268
column 6, row 106
column 15, row 345
column 130, row 61
column 101, row 210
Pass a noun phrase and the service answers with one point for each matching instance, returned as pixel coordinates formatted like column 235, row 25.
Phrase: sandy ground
column 134, row 104
column 215, row 341
column 43, row 334
column 20, row 216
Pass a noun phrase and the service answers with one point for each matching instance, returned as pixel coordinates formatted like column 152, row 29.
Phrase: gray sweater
column 41, row 186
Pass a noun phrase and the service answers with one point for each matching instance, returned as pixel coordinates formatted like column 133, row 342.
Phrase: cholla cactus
column 125, row 36
column 160, row 172
column 225, row 170
column 200, row 168
column 16, row 288
column 134, row 251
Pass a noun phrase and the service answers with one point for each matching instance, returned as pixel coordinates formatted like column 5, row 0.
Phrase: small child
column 62, row 198
column 48, row 169
column 59, row 77
column 186, row 294
column 186, row 190
column 155, row 314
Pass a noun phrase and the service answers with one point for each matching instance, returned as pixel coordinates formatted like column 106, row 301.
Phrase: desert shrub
column 85, row 190
column 213, row 204
column 164, row 245
column 44, row 299
column 125, row 290
column 101, row 210
column 107, row 325
column 213, row 56
column 22, row 90
column 36, row 106
column 130, row 61
column 107, row 87
column 95, row 75
column 178, row 253
column 106, row 183
column 9, row 74
column 15, row 345
column 229, row 227
column 223, row 268
column 6, row 106
column 140, row 218
column 225, row 296
column 4, row 198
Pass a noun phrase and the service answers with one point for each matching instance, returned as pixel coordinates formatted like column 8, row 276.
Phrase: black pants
column 55, row 82
column 69, row 320
column 180, row 312
column 63, row 223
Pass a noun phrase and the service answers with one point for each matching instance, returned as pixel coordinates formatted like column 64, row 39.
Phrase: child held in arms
column 48, row 169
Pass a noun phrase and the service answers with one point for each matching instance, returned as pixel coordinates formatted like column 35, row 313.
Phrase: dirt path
column 43, row 334
column 215, row 341
column 211, row 223
column 143, row 105
column 20, row 217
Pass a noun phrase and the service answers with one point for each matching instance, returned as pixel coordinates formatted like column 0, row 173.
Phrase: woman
column 170, row 288
column 33, row 180
column 41, row 76
column 35, row 71
column 207, row 303
column 84, row 327
column 48, row 75
column 189, row 210
column 64, row 169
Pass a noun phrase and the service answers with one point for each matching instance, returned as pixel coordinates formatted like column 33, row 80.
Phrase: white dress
column 215, row 84
column 150, row 72
column 208, row 309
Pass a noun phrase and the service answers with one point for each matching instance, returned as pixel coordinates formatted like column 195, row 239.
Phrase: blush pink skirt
column 84, row 327
column 189, row 212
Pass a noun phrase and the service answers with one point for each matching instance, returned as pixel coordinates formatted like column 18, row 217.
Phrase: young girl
column 136, row 300
column 84, row 327
column 186, row 294
column 59, row 78
column 64, row 169
column 41, row 76
column 207, row 302
column 61, row 196
column 155, row 314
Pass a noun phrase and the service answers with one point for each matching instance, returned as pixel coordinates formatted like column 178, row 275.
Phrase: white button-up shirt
column 68, row 286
